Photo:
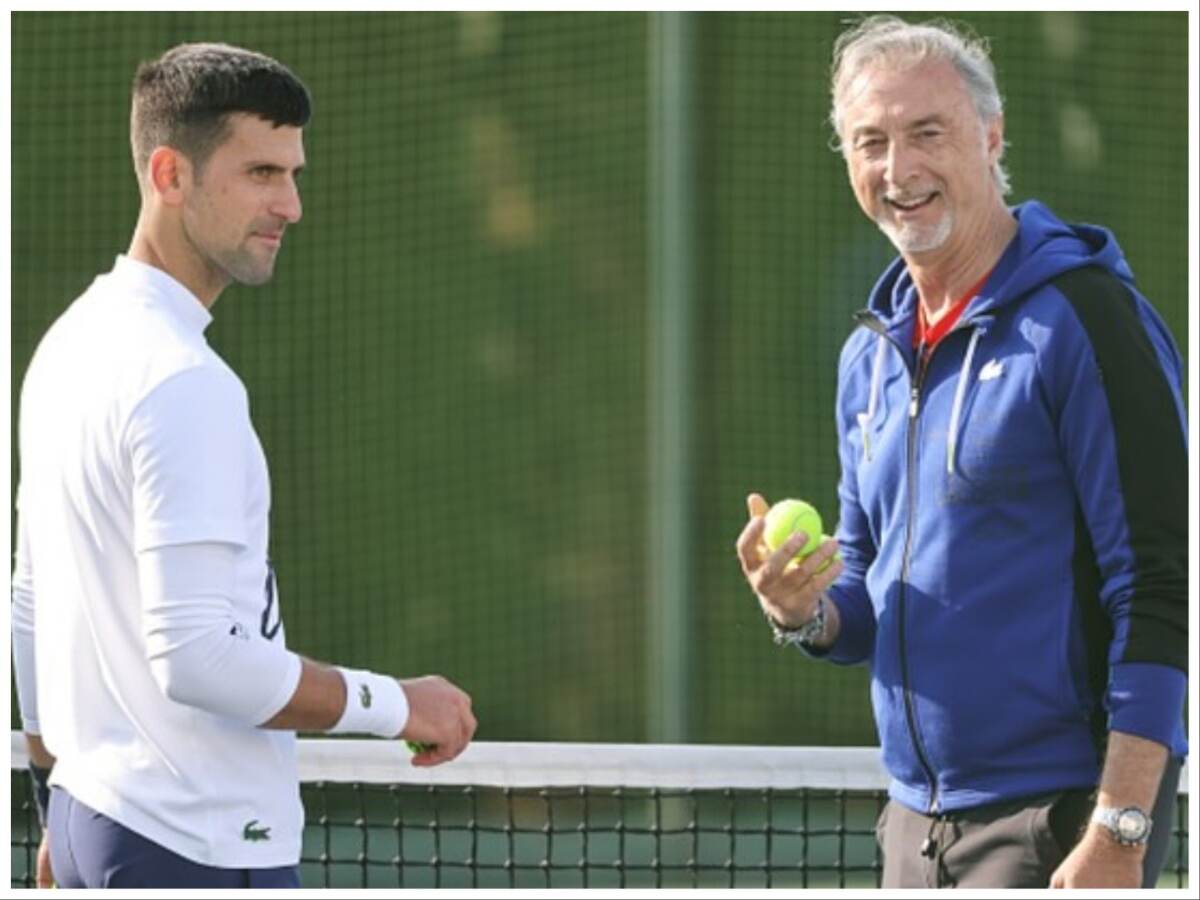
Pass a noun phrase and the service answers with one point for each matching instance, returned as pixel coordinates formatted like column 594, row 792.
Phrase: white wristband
column 375, row 704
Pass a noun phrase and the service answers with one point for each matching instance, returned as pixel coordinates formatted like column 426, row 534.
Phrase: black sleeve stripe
column 1151, row 463
column 1097, row 628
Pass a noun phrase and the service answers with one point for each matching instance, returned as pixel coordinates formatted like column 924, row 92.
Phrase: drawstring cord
column 935, row 845
column 959, row 392
column 929, row 845
column 865, row 418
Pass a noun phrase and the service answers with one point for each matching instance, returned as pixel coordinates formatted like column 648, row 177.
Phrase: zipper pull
column 914, row 397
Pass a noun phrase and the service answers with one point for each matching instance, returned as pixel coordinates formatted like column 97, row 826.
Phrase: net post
column 672, row 296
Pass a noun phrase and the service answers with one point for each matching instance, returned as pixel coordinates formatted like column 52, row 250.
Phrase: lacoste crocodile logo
column 993, row 369
column 364, row 696
column 250, row 833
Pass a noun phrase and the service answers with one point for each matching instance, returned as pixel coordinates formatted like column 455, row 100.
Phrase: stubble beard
column 237, row 263
column 244, row 268
column 909, row 237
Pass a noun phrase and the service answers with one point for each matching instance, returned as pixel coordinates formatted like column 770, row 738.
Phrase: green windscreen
column 449, row 371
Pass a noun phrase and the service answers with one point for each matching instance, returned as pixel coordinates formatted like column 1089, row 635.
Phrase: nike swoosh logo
column 993, row 369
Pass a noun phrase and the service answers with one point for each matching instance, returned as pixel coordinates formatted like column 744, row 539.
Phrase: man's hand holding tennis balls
column 787, row 589
column 440, row 722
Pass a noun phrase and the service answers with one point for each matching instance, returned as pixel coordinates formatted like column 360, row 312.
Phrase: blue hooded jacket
column 1014, row 523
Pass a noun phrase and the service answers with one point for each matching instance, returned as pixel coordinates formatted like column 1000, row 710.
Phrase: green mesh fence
column 449, row 369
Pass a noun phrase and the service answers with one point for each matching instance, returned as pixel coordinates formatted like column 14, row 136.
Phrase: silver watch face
column 1132, row 824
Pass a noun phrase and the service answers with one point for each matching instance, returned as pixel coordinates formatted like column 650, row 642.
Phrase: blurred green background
column 450, row 370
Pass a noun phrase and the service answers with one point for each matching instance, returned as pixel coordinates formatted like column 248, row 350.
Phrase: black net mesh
column 372, row 835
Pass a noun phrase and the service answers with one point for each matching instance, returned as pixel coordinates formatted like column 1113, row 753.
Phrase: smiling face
column 237, row 206
column 919, row 158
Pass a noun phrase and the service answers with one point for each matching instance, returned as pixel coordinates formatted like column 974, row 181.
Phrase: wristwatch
column 807, row 633
column 1129, row 825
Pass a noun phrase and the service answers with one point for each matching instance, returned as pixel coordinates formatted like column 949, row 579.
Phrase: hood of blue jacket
column 1043, row 248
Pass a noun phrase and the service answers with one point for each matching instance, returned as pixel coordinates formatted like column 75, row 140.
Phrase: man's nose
column 286, row 204
column 901, row 162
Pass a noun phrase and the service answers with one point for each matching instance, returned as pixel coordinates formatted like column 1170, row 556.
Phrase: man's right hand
column 787, row 595
column 439, row 715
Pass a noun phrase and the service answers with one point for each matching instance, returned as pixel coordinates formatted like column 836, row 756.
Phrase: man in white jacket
column 158, row 695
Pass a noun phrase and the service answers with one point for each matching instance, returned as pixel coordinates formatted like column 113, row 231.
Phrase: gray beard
column 910, row 239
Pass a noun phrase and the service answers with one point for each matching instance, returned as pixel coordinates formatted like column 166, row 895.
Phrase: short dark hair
column 184, row 98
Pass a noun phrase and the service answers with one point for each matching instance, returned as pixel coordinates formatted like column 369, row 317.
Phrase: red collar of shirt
column 927, row 335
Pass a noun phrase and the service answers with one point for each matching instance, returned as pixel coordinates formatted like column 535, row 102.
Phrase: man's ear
column 170, row 174
column 994, row 137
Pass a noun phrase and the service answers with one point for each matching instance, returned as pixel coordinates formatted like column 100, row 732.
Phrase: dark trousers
column 1006, row 845
column 90, row 850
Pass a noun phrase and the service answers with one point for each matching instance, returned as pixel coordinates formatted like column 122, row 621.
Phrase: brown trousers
column 1014, row 844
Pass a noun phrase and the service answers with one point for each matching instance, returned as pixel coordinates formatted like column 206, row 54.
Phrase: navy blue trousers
column 90, row 850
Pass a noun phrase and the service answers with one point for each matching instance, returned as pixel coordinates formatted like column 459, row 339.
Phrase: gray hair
column 889, row 39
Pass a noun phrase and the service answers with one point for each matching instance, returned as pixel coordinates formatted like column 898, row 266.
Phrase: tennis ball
column 837, row 554
column 418, row 746
column 787, row 517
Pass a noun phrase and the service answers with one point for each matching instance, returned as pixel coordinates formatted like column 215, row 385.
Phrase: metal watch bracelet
column 806, row 634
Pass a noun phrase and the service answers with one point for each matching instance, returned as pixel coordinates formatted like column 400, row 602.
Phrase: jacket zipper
column 914, row 409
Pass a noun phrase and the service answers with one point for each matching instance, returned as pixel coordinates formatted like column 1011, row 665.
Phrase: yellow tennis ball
column 837, row 554
column 787, row 517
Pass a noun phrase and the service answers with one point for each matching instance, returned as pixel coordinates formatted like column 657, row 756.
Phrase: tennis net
column 513, row 815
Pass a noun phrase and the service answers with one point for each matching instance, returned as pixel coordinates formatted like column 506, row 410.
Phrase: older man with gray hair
column 1013, row 496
